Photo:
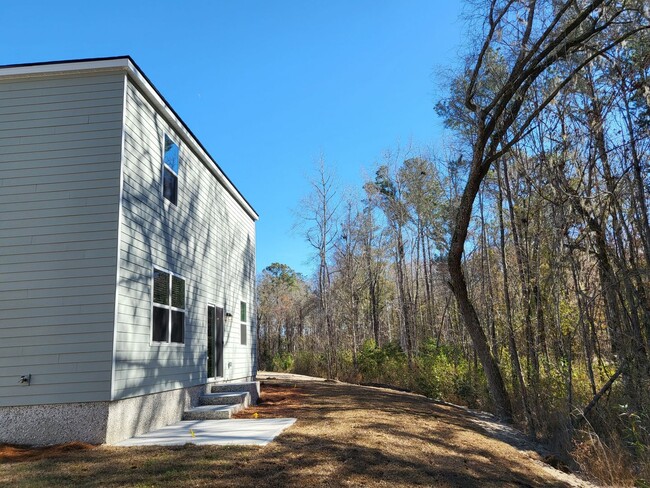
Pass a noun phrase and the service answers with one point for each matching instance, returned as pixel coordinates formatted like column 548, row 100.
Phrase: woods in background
column 514, row 274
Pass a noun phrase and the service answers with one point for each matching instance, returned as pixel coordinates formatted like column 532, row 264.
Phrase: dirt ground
column 346, row 435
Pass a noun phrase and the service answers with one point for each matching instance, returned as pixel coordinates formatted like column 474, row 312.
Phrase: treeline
column 511, row 273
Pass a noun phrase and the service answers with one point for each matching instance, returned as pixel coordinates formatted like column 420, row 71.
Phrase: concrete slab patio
column 240, row 432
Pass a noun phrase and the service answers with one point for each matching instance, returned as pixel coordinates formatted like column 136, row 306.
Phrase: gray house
column 127, row 257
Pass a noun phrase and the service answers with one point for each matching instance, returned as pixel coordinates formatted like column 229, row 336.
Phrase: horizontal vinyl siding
column 207, row 239
column 60, row 140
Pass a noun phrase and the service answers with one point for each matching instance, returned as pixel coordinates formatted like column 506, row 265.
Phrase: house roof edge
column 127, row 64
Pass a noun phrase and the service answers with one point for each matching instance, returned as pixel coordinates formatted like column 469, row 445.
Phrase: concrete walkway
column 272, row 375
column 240, row 432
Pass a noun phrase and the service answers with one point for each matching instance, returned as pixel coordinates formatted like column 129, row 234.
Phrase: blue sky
column 268, row 86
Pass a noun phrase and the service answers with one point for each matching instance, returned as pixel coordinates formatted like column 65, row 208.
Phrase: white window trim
column 167, row 343
column 176, row 141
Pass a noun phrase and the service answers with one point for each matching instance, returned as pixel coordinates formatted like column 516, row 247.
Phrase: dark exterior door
column 215, row 342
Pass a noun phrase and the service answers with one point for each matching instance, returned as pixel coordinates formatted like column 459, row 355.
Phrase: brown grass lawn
column 346, row 435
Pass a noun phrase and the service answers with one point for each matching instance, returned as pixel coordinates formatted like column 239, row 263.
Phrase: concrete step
column 226, row 398
column 252, row 387
column 212, row 412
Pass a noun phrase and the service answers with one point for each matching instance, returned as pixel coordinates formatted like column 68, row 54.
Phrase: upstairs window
column 168, row 324
column 170, row 170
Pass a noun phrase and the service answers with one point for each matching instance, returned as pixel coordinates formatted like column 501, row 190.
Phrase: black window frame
column 167, row 309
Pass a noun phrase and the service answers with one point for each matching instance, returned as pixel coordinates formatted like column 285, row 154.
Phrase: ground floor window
column 242, row 332
column 244, row 326
column 168, row 315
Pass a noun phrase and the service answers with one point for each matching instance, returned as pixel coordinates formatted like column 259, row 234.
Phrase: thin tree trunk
column 585, row 331
column 524, row 277
column 600, row 393
column 403, row 296
column 517, row 375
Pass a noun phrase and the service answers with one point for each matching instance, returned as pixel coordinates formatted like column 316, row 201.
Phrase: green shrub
column 386, row 364
column 282, row 362
column 309, row 363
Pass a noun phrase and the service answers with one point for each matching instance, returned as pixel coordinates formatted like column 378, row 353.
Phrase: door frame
column 216, row 332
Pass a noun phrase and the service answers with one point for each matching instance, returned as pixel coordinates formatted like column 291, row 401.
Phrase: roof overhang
column 135, row 74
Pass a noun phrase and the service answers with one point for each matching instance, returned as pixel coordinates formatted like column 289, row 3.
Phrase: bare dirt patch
column 346, row 435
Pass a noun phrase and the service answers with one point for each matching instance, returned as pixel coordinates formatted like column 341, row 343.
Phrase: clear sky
column 267, row 86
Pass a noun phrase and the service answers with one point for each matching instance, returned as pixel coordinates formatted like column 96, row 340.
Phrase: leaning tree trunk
column 459, row 287
column 547, row 37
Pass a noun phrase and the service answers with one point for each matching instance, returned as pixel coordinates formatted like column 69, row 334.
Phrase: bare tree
column 319, row 220
column 523, row 43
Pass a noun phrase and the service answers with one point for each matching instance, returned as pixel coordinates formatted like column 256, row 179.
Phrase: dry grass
column 345, row 435
column 610, row 464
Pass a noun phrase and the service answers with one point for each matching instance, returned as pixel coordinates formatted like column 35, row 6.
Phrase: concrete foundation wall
column 137, row 415
column 42, row 425
column 98, row 422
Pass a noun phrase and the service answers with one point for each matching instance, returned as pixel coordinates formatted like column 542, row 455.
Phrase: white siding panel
column 59, row 192
column 87, row 115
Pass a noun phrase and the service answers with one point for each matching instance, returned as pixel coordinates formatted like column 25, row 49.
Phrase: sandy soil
column 346, row 435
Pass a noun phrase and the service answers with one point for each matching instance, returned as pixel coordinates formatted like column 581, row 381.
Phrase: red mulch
column 16, row 453
column 280, row 400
